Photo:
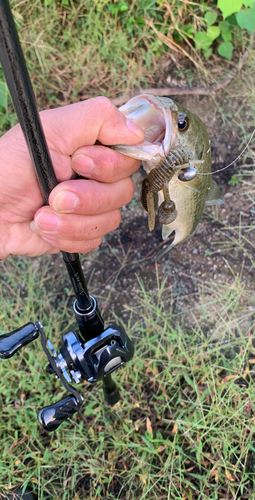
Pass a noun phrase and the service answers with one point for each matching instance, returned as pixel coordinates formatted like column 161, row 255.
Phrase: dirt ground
column 209, row 259
column 127, row 255
column 210, row 256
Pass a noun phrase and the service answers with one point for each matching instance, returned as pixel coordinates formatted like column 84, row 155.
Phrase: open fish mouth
column 175, row 151
column 160, row 151
column 154, row 116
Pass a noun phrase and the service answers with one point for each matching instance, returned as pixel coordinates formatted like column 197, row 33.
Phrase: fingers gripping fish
column 176, row 149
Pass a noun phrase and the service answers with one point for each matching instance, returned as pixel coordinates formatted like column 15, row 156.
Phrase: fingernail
column 47, row 222
column 65, row 201
column 83, row 165
column 135, row 128
column 33, row 227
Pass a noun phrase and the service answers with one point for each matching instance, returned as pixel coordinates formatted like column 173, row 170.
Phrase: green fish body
column 175, row 152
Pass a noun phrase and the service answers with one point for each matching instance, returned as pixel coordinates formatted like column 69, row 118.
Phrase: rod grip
column 51, row 417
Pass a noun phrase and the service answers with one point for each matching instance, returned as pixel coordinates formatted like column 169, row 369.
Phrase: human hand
column 80, row 212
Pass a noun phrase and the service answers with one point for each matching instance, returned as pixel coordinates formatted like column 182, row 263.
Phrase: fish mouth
column 155, row 116
column 169, row 243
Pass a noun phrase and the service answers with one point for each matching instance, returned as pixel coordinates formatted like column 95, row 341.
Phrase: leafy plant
column 217, row 24
column 8, row 117
column 118, row 7
column 3, row 94
column 234, row 15
column 234, row 181
column 78, row 48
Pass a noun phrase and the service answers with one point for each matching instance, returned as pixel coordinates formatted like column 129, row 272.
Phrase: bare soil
column 127, row 255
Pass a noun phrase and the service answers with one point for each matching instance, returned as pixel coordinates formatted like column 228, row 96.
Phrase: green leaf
column 225, row 49
column 234, row 181
column 224, row 26
column 189, row 29
column 251, row 448
column 3, row 94
column 229, row 7
column 207, row 52
column 202, row 40
column 210, row 18
column 113, row 8
column 227, row 36
column 118, row 7
column 140, row 21
column 123, row 6
column 213, row 32
column 232, row 21
column 246, row 19
column 248, row 3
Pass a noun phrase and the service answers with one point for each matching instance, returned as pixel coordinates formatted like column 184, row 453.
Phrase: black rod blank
column 17, row 77
column 21, row 90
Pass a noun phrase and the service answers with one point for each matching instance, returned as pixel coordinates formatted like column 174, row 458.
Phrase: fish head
column 192, row 135
column 170, row 127
column 167, row 125
column 155, row 116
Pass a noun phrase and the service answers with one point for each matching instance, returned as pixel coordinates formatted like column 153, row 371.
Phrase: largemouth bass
column 175, row 152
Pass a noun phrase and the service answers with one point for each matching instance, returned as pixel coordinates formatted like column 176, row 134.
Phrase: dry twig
column 118, row 101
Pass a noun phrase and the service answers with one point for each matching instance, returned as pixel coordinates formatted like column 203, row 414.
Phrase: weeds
column 185, row 426
column 78, row 49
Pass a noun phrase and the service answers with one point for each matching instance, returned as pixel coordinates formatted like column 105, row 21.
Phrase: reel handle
column 13, row 341
column 51, row 417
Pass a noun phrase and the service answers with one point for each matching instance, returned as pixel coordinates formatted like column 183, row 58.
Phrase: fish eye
column 183, row 122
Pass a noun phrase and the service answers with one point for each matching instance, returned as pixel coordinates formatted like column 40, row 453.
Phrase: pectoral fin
column 214, row 196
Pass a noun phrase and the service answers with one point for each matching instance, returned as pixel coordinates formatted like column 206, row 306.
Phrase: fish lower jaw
column 166, row 231
column 179, row 236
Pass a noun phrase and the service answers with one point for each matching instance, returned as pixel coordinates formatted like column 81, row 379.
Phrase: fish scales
column 173, row 164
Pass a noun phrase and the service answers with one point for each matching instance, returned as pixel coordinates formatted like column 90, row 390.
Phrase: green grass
column 185, row 427
column 81, row 48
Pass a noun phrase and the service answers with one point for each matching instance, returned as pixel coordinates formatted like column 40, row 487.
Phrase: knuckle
column 106, row 104
column 114, row 171
column 81, row 230
column 130, row 190
column 93, row 244
column 83, row 246
column 115, row 219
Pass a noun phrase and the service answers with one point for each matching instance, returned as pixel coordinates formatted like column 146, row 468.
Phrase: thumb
column 82, row 124
column 116, row 128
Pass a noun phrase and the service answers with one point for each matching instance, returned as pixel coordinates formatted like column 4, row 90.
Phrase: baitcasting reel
column 78, row 360
column 95, row 352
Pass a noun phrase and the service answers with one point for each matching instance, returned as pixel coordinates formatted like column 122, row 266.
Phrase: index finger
column 103, row 164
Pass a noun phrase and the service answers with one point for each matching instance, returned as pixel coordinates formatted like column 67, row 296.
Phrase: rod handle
column 111, row 391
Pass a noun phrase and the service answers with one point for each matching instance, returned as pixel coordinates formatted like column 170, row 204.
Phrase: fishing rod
column 94, row 352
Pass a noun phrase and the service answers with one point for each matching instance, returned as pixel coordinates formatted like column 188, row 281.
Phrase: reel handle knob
column 51, row 417
column 13, row 341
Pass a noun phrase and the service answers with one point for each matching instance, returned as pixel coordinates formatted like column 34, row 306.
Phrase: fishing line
column 239, row 156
